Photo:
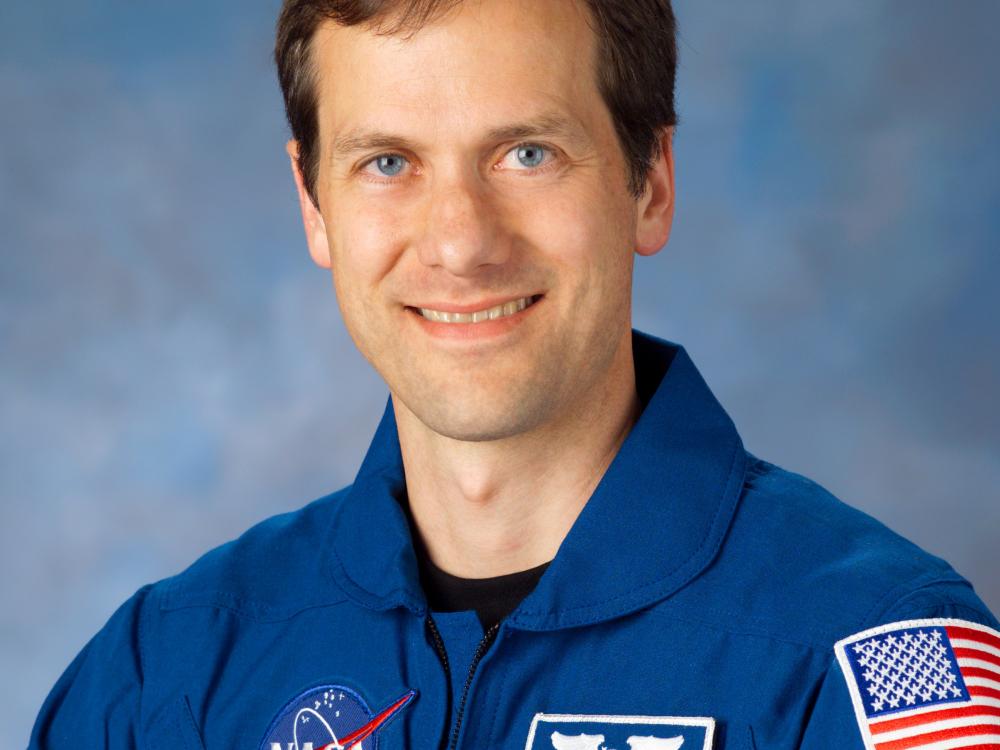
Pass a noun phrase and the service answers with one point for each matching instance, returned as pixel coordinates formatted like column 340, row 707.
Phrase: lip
column 483, row 330
column 475, row 306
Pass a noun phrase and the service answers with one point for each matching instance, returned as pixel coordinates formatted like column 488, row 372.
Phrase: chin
column 477, row 422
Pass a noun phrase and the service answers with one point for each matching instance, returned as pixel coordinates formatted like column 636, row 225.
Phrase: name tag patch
column 613, row 732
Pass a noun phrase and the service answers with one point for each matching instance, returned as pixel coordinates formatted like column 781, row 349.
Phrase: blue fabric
column 461, row 633
column 698, row 581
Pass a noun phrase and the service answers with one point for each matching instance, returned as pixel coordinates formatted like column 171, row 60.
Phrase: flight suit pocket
column 736, row 737
column 177, row 730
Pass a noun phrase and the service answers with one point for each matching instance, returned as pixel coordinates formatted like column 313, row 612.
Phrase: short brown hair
column 636, row 70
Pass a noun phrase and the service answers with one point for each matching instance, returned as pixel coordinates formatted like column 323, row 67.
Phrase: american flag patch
column 925, row 684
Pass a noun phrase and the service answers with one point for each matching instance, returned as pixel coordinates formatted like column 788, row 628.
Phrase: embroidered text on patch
column 924, row 684
column 617, row 732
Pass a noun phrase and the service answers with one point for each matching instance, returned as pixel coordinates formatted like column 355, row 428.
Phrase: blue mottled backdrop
column 174, row 368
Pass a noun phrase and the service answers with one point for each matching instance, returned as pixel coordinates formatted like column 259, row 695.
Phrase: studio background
column 174, row 368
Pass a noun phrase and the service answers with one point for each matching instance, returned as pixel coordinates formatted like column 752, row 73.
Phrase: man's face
column 451, row 212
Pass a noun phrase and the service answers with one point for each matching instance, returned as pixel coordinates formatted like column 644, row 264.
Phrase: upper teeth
column 491, row 313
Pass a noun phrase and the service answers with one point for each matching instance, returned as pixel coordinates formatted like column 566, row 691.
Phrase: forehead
column 482, row 65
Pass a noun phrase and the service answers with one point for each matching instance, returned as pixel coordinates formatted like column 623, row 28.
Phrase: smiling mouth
column 478, row 316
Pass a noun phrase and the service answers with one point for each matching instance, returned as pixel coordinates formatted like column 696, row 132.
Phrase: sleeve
column 95, row 703
column 925, row 673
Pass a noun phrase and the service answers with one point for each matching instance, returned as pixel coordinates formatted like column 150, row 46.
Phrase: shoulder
column 271, row 571
column 798, row 563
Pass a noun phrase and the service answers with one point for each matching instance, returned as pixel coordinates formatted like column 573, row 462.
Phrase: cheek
column 586, row 237
column 364, row 248
column 562, row 228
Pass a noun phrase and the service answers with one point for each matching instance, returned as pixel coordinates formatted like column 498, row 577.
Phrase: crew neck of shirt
column 491, row 598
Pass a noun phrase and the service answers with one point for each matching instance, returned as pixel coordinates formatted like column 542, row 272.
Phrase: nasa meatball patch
column 329, row 717
column 579, row 732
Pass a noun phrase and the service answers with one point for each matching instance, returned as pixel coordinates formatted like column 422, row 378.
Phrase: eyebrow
column 545, row 125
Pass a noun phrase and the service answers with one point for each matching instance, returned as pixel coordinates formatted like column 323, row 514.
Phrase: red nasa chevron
column 925, row 684
column 330, row 717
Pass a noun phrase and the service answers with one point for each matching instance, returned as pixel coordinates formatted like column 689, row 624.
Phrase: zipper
column 481, row 650
column 443, row 655
column 484, row 645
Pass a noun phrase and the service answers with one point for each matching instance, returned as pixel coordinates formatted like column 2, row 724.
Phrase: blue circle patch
column 318, row 717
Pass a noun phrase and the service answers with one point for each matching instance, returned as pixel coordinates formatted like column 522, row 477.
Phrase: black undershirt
column 491, row 598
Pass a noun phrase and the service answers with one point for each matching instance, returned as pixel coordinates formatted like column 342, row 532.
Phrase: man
column 556, row 538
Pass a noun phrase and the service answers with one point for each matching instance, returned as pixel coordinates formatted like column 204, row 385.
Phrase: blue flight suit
column 695, row 602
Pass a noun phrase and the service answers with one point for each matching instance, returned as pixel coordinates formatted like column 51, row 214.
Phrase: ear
column 312, row 219
column 655, row 213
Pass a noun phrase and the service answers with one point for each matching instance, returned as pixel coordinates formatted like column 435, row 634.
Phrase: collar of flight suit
column 656, row 519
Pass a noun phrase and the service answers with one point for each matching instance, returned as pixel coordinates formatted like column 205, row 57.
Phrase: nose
column 462, row 228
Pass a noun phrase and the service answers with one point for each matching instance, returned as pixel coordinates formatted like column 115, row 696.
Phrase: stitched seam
column 491, row 737
column 916, row 593
column 347, row 573
column 250, row 604
column 815, row 689
column 195, row 733
column 236, row 610
column 666, row 577
column 909, row 614
column 880, row 609
column 819, row 644
column 820, row 647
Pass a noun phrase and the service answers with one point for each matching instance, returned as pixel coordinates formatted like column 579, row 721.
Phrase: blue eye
column 392, row 161
column 530, row 154
column 390, row 165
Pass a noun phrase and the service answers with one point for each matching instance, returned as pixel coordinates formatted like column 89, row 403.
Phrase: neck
column 490, row 508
